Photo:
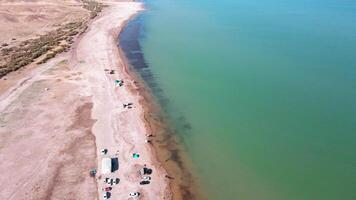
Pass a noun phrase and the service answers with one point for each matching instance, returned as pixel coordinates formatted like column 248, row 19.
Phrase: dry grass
column 46, row 46
column 27, row 19
column 93, row 6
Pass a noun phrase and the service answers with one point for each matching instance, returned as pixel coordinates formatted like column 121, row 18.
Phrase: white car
column 146, row 178
column 134, row 194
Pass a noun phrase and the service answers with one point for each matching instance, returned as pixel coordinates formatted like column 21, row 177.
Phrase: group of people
column 144, row 172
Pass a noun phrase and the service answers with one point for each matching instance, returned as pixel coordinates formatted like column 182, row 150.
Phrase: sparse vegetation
column 46, row 46
column 93, row 6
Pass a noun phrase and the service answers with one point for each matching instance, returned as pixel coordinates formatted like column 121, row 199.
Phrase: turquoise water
column 263, row 93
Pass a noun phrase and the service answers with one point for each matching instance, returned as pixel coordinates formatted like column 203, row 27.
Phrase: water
column 262, row 93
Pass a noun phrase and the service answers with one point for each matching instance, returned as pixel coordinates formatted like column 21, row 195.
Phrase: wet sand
column 168, row 147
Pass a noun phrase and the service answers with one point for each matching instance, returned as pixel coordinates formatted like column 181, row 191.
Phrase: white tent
column 106, row 165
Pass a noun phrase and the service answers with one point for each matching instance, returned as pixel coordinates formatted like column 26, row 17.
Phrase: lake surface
column 262, row 93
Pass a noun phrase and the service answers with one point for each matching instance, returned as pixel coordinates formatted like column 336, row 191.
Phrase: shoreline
column 111, row 55
column 76, row 98
column 65, row 111
column 167, row 148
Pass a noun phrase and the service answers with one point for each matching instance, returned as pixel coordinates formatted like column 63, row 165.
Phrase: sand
column 56, row 117
column 21, row 20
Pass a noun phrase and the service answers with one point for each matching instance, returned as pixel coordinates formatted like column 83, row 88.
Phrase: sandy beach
column 58, row 116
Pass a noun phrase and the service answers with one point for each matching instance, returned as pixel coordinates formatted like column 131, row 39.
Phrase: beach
column 177, row 100
column 56, row 118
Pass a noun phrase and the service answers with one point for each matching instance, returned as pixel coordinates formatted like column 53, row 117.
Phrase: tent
column 106, row 165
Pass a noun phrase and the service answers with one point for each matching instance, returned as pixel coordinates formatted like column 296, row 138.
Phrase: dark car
column 144, row 182
column 147, row 171
column 106, row 195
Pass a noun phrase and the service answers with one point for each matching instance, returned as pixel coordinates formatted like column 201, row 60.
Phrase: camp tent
column 106, row 165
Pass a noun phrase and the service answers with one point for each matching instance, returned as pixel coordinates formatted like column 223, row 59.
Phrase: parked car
column 144, row 182
column 134, row 194
column 106, row 195
column 115, row 181
column 104, row 151
column 145, row 171
column 146, row 178
column 106, row 180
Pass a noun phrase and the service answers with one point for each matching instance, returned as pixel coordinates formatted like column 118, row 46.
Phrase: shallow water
column 262, row 93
